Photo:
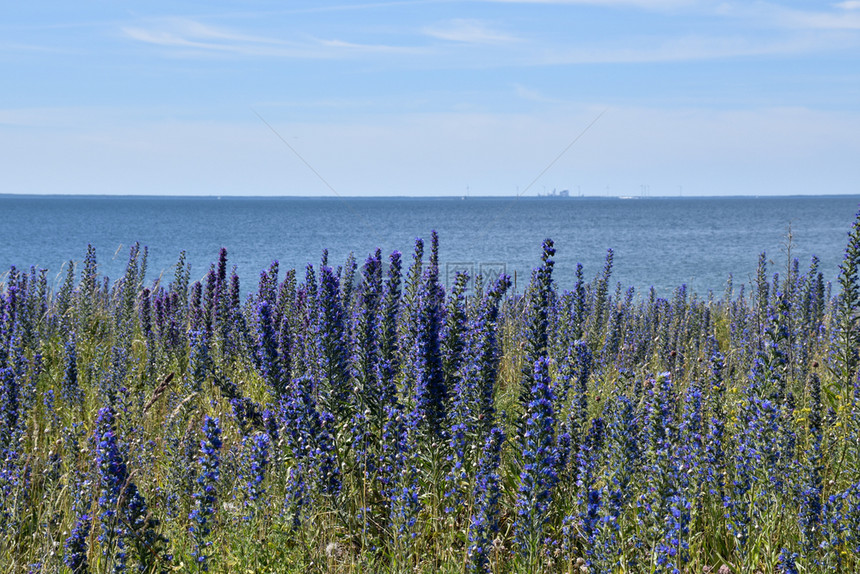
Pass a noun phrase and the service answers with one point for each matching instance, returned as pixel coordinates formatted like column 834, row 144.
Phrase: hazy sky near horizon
column 435, row 97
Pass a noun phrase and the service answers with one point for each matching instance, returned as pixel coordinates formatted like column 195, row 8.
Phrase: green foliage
column 672, row 421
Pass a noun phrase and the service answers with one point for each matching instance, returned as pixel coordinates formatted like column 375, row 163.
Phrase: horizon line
column 453, row 197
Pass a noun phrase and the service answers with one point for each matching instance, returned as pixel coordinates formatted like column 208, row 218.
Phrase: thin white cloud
column 779, row 31
column 645, row 4
column 192, row 37
column 364, row 6
column 32, row 48
column 76, row 118
column 682, row 49
column 532, row 95
column 468, row 31
column 845, row 16
column 842, row 16
column 368, row 48
column 54, row 117
column 846, row 20
column 194, row 29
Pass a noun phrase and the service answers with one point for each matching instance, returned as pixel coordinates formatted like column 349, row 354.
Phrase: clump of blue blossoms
column 539, row 471
column 206, row 494
column 487, row 494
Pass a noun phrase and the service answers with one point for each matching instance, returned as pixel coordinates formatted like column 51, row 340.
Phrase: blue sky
column 430, row 98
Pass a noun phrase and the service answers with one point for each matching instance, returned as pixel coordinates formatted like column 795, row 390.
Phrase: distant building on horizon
column 556, row 193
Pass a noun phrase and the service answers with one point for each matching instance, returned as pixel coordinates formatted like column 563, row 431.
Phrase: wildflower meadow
column 366, row 418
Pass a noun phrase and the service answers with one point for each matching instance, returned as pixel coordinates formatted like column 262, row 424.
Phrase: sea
column 656, row 242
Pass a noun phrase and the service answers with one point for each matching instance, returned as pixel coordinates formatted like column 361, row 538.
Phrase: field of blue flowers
column 367, row 419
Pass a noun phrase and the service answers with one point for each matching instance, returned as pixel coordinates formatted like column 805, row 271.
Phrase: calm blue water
column 657, row 242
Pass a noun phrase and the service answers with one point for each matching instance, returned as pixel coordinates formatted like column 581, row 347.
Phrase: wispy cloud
column 839, row 16
column 68, row 118
column 735, row 30
column 355, row 47
column 687, row 48
column 846, row 19
column 766, row 29
column 468, row 31
column 533, row 95
column 183, row 33
column 843, row 15
column 31, row 48
column 364, row 6
column 193, row 37
column 779, row 30
column 645, row 4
